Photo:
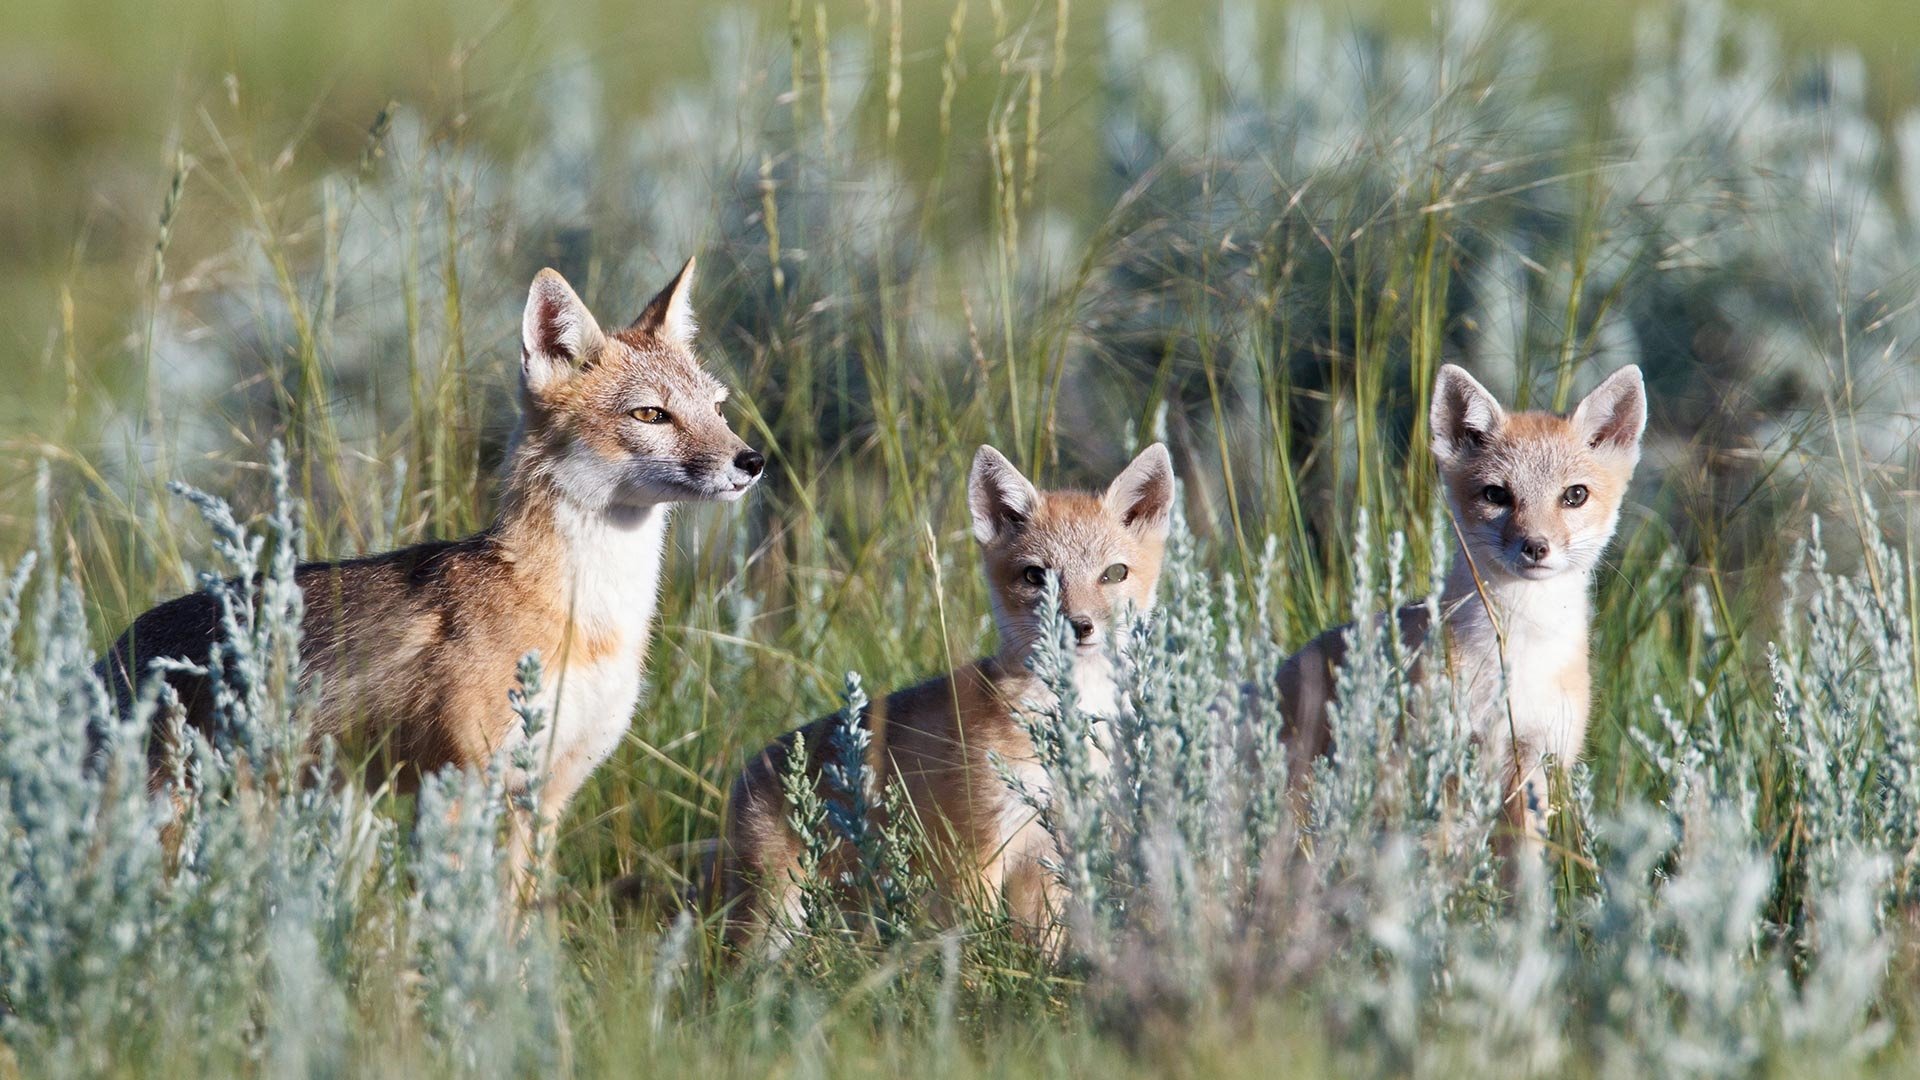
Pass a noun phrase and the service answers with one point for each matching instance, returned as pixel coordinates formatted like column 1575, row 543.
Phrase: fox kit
column 1535, row 498
column 940, row 739
column 413, row 652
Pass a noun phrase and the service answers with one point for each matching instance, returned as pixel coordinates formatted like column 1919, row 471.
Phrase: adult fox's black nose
column 1535, row 548
column 750, row 462
column 1082, row 628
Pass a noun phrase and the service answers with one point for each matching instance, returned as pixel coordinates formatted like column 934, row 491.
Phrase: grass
column 922, row 230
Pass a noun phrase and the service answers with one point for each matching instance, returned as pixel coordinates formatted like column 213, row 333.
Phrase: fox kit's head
column 1537, row 495
column 628, row 419
column 1105, row 549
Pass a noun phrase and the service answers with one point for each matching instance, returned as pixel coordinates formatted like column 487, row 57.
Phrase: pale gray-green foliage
column 235, row 938
column 851, row 818
column 1845, row 703
column 807, row 817
column 488, row 982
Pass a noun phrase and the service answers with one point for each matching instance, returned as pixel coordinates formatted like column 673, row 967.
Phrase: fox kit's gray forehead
column 1530, row 448
column 1071, row 529
column 1011, row 516
column 1473, row 433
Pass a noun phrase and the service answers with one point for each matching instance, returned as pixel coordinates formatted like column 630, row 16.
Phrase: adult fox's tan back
column 413, row 652
column 947, row 739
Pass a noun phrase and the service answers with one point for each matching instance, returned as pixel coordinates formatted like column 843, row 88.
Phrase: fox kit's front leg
column 1030, row 887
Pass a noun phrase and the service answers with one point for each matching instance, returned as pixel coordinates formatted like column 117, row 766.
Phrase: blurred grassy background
column 97, row 99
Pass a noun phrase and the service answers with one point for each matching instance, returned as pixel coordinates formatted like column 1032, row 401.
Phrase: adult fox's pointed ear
column 669, row 315
column 1464, row 415
column 1613, row 417
column 558, row 335
column 1002, row 500
column 1142, row 495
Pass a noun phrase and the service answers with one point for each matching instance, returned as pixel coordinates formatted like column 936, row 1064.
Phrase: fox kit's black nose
column 1082, row 628
column 750, row 462
column 1535, row 548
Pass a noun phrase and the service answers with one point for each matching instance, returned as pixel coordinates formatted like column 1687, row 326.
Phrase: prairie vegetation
column 1257, row 241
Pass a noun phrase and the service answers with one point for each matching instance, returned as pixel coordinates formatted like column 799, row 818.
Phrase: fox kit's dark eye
column 1114, row 575
column 1574, row 497
column 1035, row 576
column 649, row 414
column 1496, row 495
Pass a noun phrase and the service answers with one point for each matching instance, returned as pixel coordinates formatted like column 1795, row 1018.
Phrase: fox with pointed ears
column 1535, row 499
column 952, row 741
column 411, row 654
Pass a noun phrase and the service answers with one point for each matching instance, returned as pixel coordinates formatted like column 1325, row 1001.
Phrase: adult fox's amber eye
column 1035, row 576
column 651, row 415
column 1114, row 575
column 1574, row 497
column 1496, row 495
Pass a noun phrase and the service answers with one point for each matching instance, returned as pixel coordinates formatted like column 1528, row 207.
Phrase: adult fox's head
column 1537, row 495
column 628, row 419
column 1105, row 549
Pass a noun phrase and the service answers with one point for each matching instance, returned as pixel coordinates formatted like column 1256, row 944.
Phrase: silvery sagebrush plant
column 109, row 933
column 1845, row 705
column 860, row 871
column 807, row 817
column 490, row 998
column 862, row 812
column 225, row 920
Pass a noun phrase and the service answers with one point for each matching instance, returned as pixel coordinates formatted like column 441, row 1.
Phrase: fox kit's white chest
column 1538, row 696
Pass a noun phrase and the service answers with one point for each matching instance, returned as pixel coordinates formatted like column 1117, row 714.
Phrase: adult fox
column 412, row 653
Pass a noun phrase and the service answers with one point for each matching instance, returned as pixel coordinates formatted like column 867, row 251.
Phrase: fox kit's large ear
column 1002, row 500
column 669, row 315
column 557, row 334
column 1463, row 416
column 1142, row 495
column 1613, row 417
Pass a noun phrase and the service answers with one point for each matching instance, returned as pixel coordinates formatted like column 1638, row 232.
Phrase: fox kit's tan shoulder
column 413, row 652
column 947, row 740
